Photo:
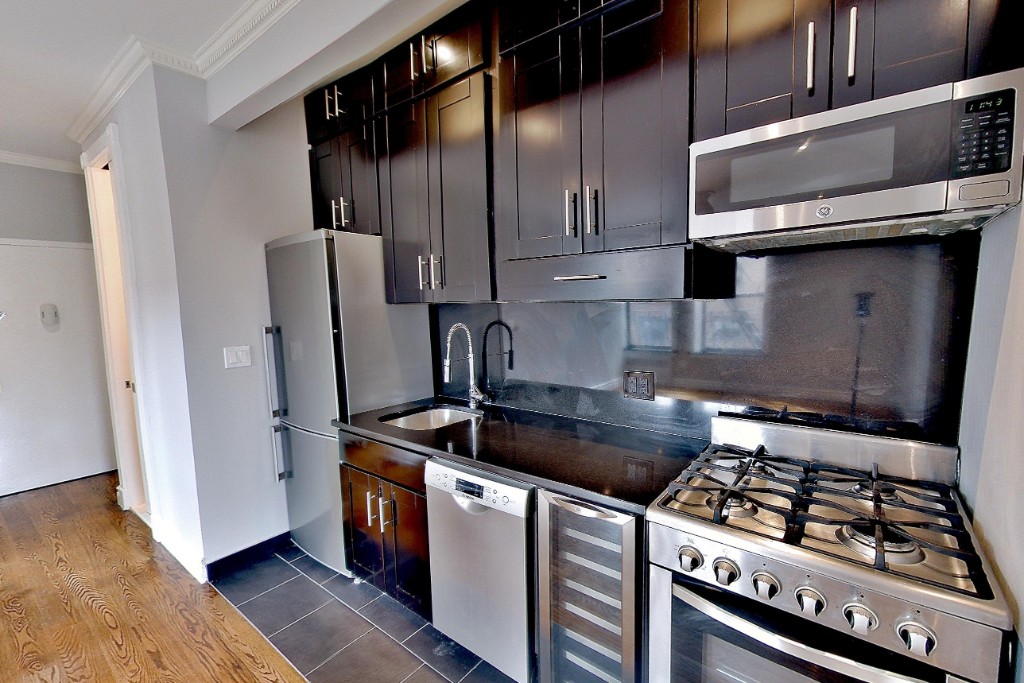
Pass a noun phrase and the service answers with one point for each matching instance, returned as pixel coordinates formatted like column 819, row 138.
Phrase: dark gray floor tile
column 313, row 569
column 391, row 617
column 442, row 653
column 290, row 601
column 485, row 673
column 356, row 594
column 425, row 674
column 374, row 657
column 314, row 638
column 250, row 581
column 291, row 553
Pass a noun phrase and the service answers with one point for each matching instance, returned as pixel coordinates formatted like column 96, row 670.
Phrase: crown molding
column 39, row 162
column 248, row 24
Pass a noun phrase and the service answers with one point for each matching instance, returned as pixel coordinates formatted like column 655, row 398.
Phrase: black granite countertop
column 618, row 466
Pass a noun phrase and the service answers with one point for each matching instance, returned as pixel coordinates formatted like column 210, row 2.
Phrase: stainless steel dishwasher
column 478, row 525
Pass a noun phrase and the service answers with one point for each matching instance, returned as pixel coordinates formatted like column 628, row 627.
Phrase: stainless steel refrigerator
column 334, row 348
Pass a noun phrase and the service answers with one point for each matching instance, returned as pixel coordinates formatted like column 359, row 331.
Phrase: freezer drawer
column 314, row 495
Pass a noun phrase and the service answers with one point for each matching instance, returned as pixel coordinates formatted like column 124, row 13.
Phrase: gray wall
column 38, row 204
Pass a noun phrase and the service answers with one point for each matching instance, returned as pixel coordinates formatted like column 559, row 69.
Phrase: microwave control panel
column 983, row 134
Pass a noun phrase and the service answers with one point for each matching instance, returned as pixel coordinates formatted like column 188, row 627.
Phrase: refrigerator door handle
column 277, row 443
column 274, row 367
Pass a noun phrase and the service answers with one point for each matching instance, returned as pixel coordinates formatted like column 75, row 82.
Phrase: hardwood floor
column 86, row 595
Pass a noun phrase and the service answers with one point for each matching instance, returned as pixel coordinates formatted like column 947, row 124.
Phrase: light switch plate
column 237, row 357
column 638, row 384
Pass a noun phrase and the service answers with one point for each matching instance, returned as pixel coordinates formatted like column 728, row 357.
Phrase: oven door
column 699, row 634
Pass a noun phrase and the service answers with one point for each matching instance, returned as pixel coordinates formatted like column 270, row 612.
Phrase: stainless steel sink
column 433, row 417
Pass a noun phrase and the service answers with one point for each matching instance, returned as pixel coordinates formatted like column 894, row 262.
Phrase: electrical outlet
column 638, row 384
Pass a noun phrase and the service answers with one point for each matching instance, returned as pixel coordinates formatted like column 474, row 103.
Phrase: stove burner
column 734, row 507
column 860, row 538
column 886, row 492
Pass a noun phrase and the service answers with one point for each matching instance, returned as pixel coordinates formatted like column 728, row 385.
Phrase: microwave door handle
column 828, row 660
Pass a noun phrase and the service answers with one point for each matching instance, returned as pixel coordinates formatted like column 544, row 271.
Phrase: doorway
column 112, row 249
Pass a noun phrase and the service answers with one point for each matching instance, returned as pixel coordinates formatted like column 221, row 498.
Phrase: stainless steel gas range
column 788, row 553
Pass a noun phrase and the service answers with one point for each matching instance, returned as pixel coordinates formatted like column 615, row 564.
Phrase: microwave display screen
column 990, row 102
column 814, row 162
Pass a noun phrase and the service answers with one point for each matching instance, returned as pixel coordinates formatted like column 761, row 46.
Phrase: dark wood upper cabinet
column 435, row 191
column 761, row 61
column 594, row 135
column 339, row 105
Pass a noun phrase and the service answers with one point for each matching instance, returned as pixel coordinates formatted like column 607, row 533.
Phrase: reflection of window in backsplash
column 801, row 333
column 734, row 326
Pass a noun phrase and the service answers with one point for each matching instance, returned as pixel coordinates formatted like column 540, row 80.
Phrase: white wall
column 54, row 416
column 38, row 204
column 230, row 193
column 992, row 424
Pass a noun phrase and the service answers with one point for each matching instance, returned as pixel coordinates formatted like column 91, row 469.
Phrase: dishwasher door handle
column 469, row 505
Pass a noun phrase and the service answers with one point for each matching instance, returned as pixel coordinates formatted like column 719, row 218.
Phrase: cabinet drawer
column 403, row 467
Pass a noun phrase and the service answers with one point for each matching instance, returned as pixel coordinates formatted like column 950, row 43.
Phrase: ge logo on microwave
column 824, row 211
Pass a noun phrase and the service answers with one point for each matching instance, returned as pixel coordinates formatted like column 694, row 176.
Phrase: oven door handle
column 787, row 646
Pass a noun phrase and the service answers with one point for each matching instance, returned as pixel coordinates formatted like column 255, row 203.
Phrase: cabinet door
column 993, row 37
column 455, row 45
column 457, row 137
column 322, row 109
column 401, row 73
column 758, row 62
column 853, row 52
column 635, row 101
column 325, row 168
column 363, row 525
column 409, row 569
column 540, row 160
column 521, row 20
column 918, row 43
column 361, row 210
column 403, row 183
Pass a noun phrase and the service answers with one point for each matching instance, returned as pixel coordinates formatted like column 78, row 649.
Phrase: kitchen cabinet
column 594, row 135
column 448, row 49
column 339, row 105
column 589, row 590
column 386, row 530
column 435, row 195
column 522, row 20
column 761, row 61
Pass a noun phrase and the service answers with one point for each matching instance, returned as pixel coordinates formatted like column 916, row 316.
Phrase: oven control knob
column 726, row 571
column 811, row 601
column 766, row 585
column 861, row 619
column 918, row 639
column 690, row 558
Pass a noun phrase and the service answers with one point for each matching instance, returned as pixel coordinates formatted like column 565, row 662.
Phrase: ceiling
column 55, row 55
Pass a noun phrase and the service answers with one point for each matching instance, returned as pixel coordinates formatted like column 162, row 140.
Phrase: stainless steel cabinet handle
column 369, row 509
column 423, row 53
column 337, row 107
column 810, row 56
column 419, row 271
column 591, row 200
column 327, row 103
column 434, row 282
column 380, row 513
column 851, row 56
column 412, row 62
column 578, row 278
column 334, row 214
column 341, row 206
column 570, row 215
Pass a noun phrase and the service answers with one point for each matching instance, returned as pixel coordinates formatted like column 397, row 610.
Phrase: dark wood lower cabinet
column 386, row 537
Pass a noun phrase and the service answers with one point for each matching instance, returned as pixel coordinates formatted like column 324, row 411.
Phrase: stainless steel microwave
column 927, row 162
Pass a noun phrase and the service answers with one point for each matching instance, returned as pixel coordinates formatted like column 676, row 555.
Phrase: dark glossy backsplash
column 873, row 338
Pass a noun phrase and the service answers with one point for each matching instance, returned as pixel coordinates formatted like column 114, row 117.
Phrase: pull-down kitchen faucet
column 475, row 395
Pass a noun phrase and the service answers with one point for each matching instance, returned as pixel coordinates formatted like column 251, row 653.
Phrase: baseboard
column 243, row 558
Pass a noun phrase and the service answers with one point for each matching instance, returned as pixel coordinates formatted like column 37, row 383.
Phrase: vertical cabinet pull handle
column 380, row 513
column 434, row 282
column 341, row 207
column 412, row 62
column 369, row 509
column 334, row 214
column 419, row 271
column 851, row 57
column 337, row 106
column 423, row 53
column 327, row 103
column 570, row 214
column 810, row 57
column 591, row 206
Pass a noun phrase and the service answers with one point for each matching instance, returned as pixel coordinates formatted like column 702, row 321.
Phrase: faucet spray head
column 447, row 370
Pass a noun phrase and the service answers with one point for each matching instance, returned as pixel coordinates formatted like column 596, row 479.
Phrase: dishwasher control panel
column 487, row 489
